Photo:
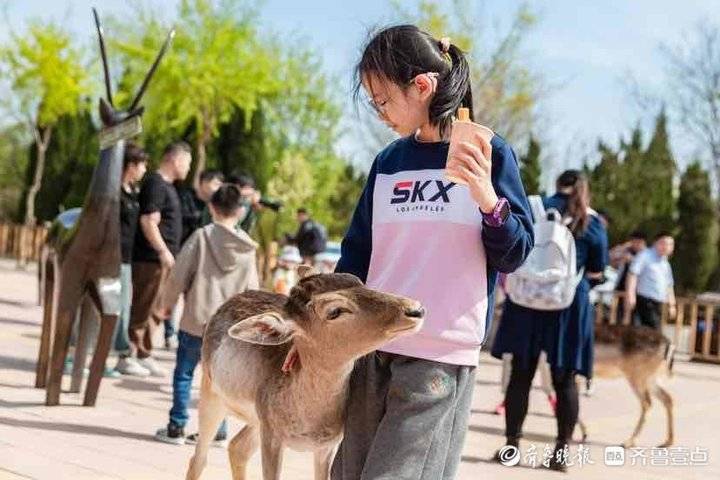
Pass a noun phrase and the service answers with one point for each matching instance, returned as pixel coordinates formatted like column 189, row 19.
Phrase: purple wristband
column 500, row 213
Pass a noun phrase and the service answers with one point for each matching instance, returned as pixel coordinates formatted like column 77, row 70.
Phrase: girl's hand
column 472, row 164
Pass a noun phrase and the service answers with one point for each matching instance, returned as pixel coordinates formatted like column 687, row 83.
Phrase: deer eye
column 334, row 313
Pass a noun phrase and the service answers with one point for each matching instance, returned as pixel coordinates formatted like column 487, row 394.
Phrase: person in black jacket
column 310, row 238
column 134, row 167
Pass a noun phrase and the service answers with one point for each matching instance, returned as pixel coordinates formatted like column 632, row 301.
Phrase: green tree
column 696, row 254
column 13, row 168
column 47, row 78
column 530, row 167
column 71, row 158
column 217, row 63
column 343, row 200
column 505, row 90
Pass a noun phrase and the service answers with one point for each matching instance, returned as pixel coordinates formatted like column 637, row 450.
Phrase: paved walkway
column 114, row 439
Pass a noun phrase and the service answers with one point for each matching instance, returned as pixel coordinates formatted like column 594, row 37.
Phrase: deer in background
column 642, row 355
column 328, row 321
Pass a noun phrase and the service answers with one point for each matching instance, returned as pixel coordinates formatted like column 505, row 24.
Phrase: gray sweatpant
column 406, row 419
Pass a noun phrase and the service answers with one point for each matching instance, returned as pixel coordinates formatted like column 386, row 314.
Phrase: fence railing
column 22, row 242
column 694, row 330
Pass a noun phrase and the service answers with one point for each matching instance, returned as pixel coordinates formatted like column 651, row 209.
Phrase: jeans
column 121, row 343
column 188, row 357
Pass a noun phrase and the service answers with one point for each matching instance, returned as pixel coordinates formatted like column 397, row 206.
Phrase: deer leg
column 71, row 290
column 271, row 455
column 48, row 326
column 323, row 459
column 667, row 400
column 241, row 448
column 211, row 410
column 645, row 402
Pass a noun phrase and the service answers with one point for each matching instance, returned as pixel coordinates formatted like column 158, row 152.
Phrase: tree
column 693, row 78
column 696, row 253
column 505, row 91
column 344, row 199
column 216, row 64
column 530, row 167
column 13, row 166
column 657, row 172
column 47, row 78
column 71, row 157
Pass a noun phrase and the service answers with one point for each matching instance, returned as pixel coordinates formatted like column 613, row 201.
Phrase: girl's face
column 402, row 109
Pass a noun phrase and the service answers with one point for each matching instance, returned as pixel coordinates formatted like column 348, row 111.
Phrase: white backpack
column 548, row 278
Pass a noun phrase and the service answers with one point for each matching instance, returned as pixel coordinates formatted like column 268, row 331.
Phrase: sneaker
column 68, row 368
column 219, row 441
column 151, row 365
column 171, row 343
column 130, row 366
column 171, row 434
column 110, row 373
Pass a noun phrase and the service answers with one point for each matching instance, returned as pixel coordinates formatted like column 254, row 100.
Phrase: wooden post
column 614, row 308
column 693, row 329
column 48, row 326
column 679, row 319
column 707, row 334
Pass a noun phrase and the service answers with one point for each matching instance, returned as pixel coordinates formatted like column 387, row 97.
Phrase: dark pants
column 516, row 400
column 648, row 312
column 406, row 419
column 147, row 280
column 188, row 356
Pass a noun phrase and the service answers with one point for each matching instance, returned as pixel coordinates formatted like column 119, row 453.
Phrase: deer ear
column 267, row 328
column 306, row 271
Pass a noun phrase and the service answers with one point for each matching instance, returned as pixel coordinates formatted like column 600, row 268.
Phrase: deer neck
column 320, row 378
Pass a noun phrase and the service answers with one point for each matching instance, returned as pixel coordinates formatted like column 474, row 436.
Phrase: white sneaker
column 152, row 366
column 130, row 366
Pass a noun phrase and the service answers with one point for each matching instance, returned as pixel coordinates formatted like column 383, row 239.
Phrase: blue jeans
column 122, row 339
column 188, row 357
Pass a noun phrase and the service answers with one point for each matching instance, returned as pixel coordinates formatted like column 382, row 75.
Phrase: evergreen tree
column 530, row 167
column 696, row 253
column 656, row 181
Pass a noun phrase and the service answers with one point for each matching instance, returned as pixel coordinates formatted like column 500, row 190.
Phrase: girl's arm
column 508, row 246
column 598, row 255
column 357, row 245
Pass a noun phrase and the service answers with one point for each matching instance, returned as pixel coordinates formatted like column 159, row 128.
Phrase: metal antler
column 150, row 73
column 103, row 54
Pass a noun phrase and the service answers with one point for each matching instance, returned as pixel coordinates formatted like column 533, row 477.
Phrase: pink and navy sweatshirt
column 416, row 234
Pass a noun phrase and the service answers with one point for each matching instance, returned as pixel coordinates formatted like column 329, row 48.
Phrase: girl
column 565, row 336
column 414, row 233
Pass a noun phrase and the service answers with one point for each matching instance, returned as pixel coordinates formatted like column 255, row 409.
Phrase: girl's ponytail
column 454, row 90
column 578, row 207
column 402, row 52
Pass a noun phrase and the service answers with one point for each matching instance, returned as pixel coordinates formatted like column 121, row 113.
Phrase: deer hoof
column 666, row 443
column 630, row 443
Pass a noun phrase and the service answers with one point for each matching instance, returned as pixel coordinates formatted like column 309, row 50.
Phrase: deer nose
column 418, row 312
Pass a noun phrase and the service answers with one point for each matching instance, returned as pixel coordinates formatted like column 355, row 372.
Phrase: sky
column 586, row 51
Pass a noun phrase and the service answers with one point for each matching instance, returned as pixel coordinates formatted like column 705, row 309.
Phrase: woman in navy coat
column 567, row 335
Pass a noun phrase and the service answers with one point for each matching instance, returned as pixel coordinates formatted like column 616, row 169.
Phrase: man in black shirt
column 134, row 167
column 156, row 243
column 193, row 201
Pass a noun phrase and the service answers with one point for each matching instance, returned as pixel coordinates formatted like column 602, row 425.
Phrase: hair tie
column 444, row 44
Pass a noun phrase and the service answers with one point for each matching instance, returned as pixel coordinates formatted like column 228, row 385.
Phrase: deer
column 643, row 356
column 282, row 364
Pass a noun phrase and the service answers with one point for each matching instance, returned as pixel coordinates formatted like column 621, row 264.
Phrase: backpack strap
column 537, row 207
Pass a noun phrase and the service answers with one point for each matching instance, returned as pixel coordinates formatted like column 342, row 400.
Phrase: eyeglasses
column 379, row 107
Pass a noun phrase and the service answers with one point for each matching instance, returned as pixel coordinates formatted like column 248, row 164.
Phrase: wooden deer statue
column 83, row 262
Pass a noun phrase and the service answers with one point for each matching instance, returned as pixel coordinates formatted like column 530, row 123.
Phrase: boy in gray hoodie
column 215, row 263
